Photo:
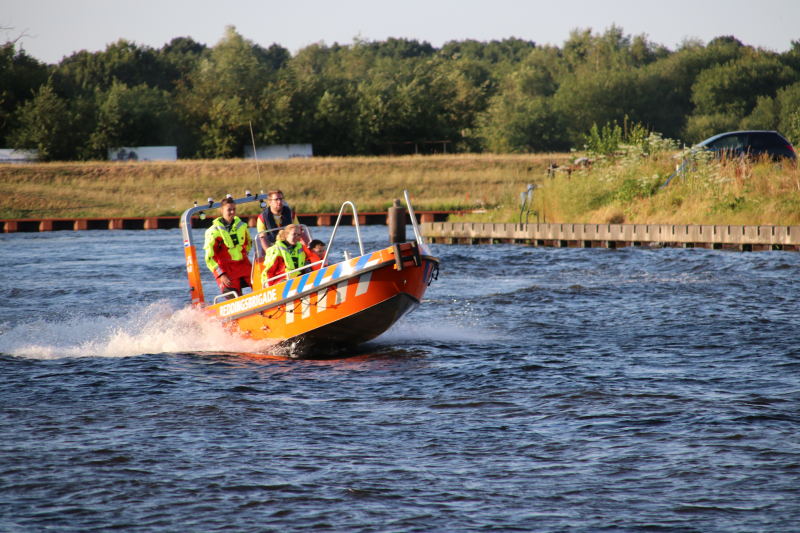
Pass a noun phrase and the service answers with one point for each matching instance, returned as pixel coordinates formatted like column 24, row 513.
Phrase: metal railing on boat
column 324, row 260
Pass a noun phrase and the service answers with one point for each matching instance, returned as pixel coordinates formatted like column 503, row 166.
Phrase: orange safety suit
column 226, row 253
column 282, row 258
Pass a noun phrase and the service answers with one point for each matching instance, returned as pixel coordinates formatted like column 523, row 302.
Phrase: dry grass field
column 102, row 189
column 621, row 190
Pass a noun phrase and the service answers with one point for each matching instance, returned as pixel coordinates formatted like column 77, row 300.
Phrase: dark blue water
column 534, row 390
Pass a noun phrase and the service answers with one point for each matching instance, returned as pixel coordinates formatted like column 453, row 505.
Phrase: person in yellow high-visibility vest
column 227, row 245
column 288, row 253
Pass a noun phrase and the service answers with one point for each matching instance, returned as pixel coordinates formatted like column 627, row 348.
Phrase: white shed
column 10, row 155
column 280, row 151
column 144, row 153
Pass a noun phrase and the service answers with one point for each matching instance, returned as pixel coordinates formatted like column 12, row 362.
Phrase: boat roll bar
column 186, row 217
column 192, row 267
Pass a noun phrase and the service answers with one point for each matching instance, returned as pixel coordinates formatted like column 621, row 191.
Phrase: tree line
column 508, row 96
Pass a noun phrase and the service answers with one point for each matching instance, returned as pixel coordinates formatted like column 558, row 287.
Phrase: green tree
column 401, row 48
column 789, row 123
column 598, row 97
column 223, row 94
column 132, row 116
column 507, row 95
column 83, row 72
column 180, row 56
column 357, row 100
column 737, row 94
column 700, row 127
column 47, row 124
column 523, row 125
column 765, row 116
column 605, row 77
column 778, row 113
column 735, row 86
column 521, row 116
column 494, row 52
column 666, row 97
column 20, row 76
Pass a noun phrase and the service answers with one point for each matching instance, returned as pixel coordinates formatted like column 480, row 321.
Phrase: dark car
column 750, row 143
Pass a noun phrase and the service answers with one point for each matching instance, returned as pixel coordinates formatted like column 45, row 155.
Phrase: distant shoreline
column 759, row 193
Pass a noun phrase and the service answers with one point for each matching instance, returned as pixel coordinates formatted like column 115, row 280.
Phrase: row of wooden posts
column 745, row 238
column 170, row 222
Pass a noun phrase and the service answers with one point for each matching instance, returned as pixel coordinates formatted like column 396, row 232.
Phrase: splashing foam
column 154, row 328
column 451, row 332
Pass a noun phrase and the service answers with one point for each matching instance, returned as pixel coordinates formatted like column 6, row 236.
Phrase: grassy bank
column 59, row 190
column 622, row 189
column 628, row 189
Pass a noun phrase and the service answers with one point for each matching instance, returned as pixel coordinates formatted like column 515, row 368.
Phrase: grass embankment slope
column 623, row 189
column 627, row 188
column 62, row 190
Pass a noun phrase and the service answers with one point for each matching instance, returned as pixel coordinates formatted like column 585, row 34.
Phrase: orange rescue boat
column 322, row 311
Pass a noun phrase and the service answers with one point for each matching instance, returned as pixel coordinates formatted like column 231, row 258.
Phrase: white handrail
column 225, row 295
column 324, row 260
column 336, row 226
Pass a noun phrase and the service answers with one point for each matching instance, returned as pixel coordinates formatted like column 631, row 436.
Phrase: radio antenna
column 255, row 154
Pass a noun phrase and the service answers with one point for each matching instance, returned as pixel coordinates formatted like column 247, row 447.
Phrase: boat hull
column 353, row 330
column 336, row 307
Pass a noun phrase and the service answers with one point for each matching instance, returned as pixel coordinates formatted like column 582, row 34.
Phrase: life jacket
column 269, row 221
column 226, row 252
column 282, row 258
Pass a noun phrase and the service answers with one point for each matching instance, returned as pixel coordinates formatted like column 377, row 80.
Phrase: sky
column 52, row 29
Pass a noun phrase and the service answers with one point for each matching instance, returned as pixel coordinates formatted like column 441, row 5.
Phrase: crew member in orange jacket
column 227, row 245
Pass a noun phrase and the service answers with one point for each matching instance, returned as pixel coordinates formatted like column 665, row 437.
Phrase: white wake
column 153, row 328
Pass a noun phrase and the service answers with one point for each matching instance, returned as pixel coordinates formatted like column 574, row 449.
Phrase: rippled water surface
column 535, row 390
